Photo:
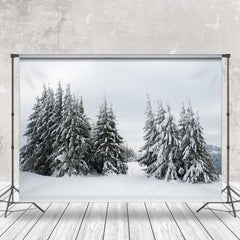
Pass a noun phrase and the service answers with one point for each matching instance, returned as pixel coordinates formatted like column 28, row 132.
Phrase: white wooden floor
column 119, row 221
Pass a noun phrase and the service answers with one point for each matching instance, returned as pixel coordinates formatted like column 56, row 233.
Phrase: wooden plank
column 47, row 222
column 236, row 186
column 117, row 222
column 6, row 223
column 4, row 186
column 221, row 211
column 189, row 225
column 25, row 223
column 93, row 223
column 164, row 226
column 216, row 228
column 69, row 225
column 140, row 227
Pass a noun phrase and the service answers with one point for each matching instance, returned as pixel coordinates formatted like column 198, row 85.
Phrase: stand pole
column 228, row 188
column 12, row 188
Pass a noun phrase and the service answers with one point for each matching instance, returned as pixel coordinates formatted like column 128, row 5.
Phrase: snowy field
column 133, row 187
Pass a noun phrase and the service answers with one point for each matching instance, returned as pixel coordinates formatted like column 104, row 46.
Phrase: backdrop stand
column 228, row 188
column 12, row 188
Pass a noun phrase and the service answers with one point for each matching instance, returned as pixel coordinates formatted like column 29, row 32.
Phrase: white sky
column 126, row 84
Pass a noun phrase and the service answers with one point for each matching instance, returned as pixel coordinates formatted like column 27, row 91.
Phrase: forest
column 176, row 151
column 61, row 140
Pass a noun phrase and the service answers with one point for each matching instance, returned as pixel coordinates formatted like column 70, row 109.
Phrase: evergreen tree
column 27, row 152
column 160, row 117
column 182, row 128
column 109, row 156
column 129, row 153
column 199, row 166
column 150, row 134
column 35, row 153
column 57, row 116
column 84, row 145
column 63, row 163
column 72, row 154
column 44, row 147
column 168, row 150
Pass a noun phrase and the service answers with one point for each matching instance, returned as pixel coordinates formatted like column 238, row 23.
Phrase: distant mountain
column 216, row 153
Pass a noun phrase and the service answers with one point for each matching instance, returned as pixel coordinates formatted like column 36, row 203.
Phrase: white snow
column 133, row 187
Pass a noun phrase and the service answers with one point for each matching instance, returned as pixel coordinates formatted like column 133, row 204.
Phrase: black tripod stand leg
column 8, row 203
column 16, row 189
column 204, row 205
column 38, row 207
column 224, row 189
column 5, row 192
column 233, row 208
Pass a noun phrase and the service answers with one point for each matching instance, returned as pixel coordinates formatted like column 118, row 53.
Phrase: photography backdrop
column 98, row 129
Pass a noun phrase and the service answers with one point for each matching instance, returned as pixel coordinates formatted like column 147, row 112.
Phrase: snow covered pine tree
column 35, row 154
column 150, row 134
column 109, row 156
column 168, row 151
column 69, row 157
column 198, row 164
column 152, row 168
column 27, row 152
column 57, row 120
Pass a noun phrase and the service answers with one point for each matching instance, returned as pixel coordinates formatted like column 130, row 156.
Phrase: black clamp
column 14, row 55
column 228, row 55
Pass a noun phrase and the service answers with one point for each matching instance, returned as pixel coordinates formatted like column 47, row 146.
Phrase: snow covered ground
column 133, row 187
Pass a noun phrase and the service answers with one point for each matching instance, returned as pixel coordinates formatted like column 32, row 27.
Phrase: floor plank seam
column 175, row 221
column 199, row 221
column 224, row 223
column 37, row 221
column 8, row 186
column 24, row 211
column 129, row 236
column 85, row 212
column 58, row 221
column 105, row 222
column 149, row 221
column 10, row 207
column 230, row 209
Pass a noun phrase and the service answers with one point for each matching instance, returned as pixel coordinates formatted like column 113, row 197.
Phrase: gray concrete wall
column 119, row 26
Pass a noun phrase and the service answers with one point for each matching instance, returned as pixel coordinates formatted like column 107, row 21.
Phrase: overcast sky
column 125, row 84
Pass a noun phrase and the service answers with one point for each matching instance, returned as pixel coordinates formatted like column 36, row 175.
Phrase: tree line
column 61, row 141
column 176, row 151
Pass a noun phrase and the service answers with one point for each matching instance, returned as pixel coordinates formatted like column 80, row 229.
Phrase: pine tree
column 57, row 116
column 182, row 128
column 27, row 152
column 199, row 166
column 73, row 154
column 150, row 134
column 129, row 153
column 167, row 158
column 63, row 162
column 44, row 147
column 109, row 156
column 160, row 117
column 83, row 141
column 35, row 153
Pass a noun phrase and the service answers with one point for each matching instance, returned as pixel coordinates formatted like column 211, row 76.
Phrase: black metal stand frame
column 228, row 188
column 12, row 188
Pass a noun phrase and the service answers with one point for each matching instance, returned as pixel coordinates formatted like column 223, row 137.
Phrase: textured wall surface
column 119, row 26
